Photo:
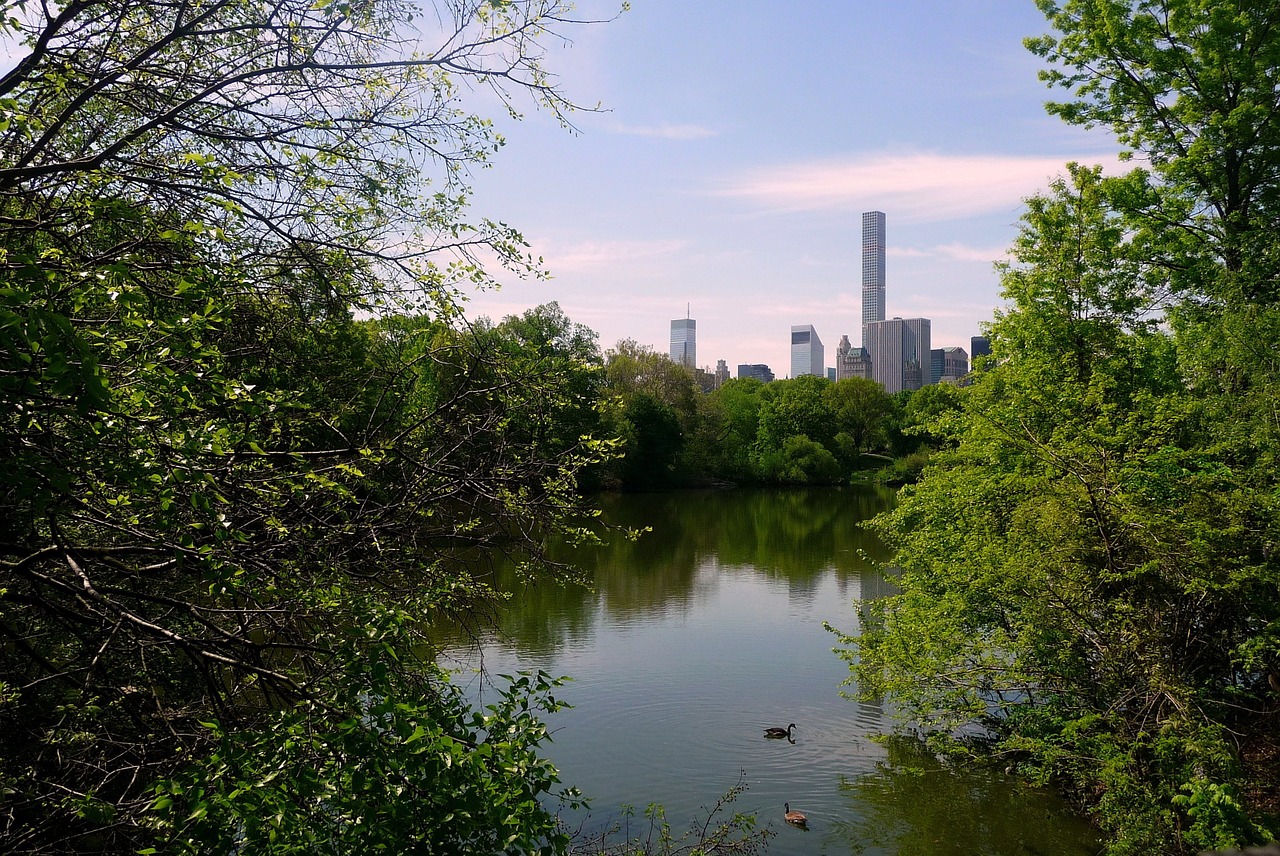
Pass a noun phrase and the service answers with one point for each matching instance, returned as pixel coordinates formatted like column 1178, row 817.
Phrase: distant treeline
column 666, row 432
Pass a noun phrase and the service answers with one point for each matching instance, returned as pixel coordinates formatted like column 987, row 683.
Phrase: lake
column 709, row 628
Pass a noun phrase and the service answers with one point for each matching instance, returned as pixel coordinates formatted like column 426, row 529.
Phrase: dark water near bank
column 708, row 629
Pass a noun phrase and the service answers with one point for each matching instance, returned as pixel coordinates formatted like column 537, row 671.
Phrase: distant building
column 979, row 346
column 873, row 241
column 948, row 365
column 912, row 375
column 759, row 371
column 899, row 350
column 807, row 357
column 851, row 361
column 684, row 342
column 722, row 373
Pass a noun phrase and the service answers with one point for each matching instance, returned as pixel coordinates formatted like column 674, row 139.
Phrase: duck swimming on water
column 775, row 732
column 794, row 817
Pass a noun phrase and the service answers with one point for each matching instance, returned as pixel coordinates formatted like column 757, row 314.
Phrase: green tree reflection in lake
column 913, row 804
column 694, row 638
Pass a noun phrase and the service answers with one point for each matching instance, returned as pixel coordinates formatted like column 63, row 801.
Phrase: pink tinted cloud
column 919, row 187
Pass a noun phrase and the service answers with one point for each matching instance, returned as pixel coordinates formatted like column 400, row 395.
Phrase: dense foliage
column 1090, row 575
column 228, row 508
column 806, row 430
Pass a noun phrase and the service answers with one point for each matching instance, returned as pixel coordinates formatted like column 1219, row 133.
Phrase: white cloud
column 964, row 253
column 591, row 255
column 907, row 252
column 665, row 131
column 954, row 251
column 917, row 187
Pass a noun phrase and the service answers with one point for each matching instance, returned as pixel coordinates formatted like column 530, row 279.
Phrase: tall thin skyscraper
column 684, row 342
column 872, row 270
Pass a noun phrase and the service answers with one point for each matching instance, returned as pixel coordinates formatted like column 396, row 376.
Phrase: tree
column 561, row 362
column 860, row 407
column 794, row 407
column 729, row 432
column 1190, row 84
column 652, row 442
column 800, row 461
column 1085, row 575
column 632, row 368
column 654, row 412
column 226, row 507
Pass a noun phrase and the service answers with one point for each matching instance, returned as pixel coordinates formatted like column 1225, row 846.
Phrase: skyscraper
column 948, row 365
column 872, row 270
column 759, row 371
column 979, row 346
column 722, row 373
column 807, row 357
column 684, row 342
column 899, row 352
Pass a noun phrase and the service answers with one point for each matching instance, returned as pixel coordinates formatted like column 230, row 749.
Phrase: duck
column 775, row 732
column 795, row 818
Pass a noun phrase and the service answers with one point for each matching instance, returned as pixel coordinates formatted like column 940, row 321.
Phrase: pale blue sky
column 742, row 142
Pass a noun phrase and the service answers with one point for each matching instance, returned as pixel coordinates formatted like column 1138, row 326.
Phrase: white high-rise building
column 807, row 356
column 684, row 342
column 872, row 271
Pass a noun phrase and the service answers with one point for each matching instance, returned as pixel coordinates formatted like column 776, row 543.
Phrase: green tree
column 1190, row 84
column 652, row 442
column 736, row 426
column 226, row 507
column 860, row 408
column 797, row 406
column 800, row 461
column 1084, row 575
column 655, row 411
column 560, row 362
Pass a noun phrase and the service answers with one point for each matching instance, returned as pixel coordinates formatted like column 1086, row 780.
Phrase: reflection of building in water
column 873, row 584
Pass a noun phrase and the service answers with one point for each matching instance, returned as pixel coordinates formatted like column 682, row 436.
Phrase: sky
column 738, row 144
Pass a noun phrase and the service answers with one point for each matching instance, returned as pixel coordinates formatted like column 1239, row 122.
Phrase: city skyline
column 738, row 184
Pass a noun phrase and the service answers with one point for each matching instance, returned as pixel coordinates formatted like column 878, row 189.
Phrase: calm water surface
column 708, row 629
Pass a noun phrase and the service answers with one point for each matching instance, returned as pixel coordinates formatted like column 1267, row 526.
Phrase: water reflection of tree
column 913, row 804
column 797, row 535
